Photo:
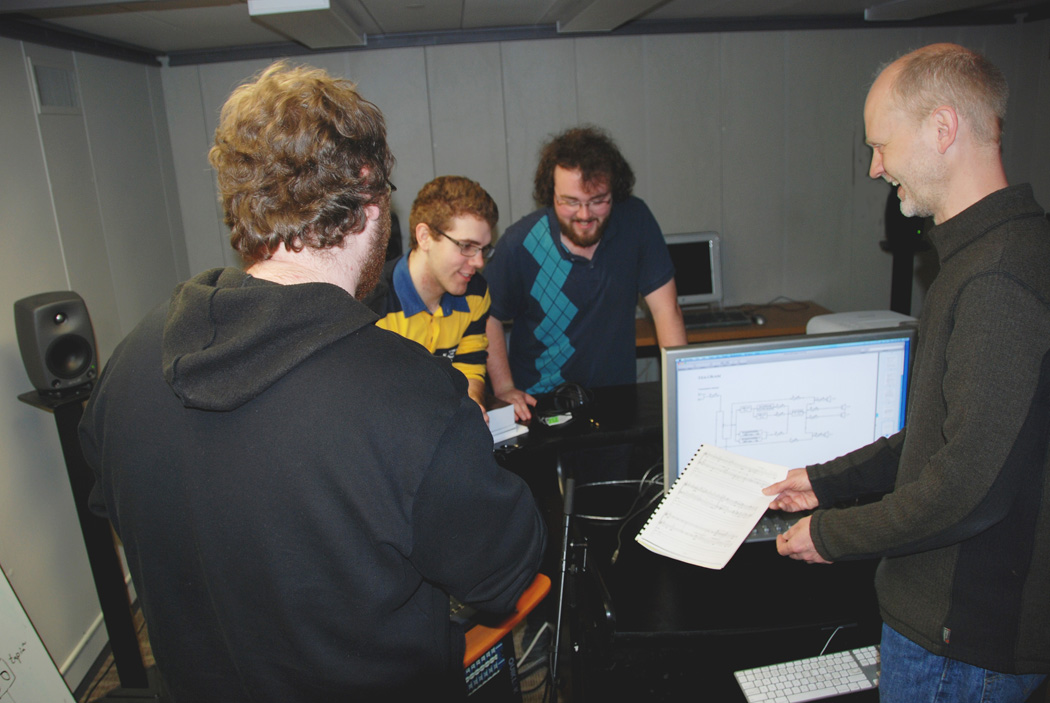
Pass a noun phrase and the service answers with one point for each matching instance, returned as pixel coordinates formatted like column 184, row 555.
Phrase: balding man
column 961, row 502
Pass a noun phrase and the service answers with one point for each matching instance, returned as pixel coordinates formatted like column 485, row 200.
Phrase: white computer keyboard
column 811, row 679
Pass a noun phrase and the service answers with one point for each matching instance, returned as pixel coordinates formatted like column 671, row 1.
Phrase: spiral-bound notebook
column 711, row 509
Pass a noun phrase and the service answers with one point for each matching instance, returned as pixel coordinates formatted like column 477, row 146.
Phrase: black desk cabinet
column 651, row 628
column 654, row 628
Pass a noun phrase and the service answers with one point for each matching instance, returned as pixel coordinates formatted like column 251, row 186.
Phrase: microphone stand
column 570, row 486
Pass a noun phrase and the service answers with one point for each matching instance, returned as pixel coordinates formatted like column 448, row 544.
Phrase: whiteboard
column 27, row 673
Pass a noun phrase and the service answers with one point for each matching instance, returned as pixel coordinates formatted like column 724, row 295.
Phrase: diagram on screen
column 779, row 420
column 815, row 412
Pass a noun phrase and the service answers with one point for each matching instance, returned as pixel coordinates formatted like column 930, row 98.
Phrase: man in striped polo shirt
column 435, row 294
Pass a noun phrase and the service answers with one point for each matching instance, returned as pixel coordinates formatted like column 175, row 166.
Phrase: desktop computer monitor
column 697, row 260
column 793, row 401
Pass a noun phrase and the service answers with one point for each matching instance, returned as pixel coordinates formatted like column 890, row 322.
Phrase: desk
column 781, row 319
column 652, row 628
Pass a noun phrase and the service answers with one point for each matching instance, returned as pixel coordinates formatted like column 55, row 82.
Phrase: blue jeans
column 910, row 674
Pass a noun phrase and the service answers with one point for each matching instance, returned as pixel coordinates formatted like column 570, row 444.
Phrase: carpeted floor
column 105, row 680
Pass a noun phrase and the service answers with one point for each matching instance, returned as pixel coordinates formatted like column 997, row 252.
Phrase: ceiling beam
column 316, row 24
column 30, row 29
column 35, row 5
column 904, row 10
column 604, row 15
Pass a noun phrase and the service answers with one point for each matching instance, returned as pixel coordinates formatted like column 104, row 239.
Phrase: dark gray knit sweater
column 963, row 521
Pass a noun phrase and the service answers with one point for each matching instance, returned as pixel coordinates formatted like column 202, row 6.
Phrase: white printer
column 858, row 320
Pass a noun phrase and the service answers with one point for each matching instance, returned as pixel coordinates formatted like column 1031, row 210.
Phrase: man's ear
column 422, row 235
column 373, row 211
column 946, row 122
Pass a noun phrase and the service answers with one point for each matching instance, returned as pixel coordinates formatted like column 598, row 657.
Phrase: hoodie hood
column 228, row 336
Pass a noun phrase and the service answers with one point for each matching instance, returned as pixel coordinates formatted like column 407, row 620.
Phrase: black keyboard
column 714, row 318
column 772, row 524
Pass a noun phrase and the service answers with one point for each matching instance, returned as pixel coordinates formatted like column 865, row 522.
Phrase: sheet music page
column 711, row 509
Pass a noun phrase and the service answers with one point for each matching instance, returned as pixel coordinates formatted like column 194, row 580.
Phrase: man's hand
column 797, row 543
column 521, row 401
column 794, row 493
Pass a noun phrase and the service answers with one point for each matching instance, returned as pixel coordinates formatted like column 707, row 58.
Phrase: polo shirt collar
column 411, row 303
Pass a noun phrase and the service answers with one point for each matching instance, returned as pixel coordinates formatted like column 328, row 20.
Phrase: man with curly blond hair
column 435, row 294
column 288, row 541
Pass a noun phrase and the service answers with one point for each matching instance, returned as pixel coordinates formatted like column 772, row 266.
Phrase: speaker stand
column 904, row 239
column 135, row 684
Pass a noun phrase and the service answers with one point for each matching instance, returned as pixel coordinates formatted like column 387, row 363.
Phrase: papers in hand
column 502, row 425
column 712, row 507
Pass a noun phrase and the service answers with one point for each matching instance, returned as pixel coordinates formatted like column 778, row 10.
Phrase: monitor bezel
column 715, row 250
column 669, row 372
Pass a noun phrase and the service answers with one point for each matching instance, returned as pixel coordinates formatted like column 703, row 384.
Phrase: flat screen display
column 793, row 401
column 697, row 263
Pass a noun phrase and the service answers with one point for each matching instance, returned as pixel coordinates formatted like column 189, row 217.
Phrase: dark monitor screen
column 793, row 401
column 698, row 267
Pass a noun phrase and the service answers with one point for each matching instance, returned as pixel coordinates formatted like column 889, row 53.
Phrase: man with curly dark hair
column 569, row 276
column 298, row 492
column 435, row 294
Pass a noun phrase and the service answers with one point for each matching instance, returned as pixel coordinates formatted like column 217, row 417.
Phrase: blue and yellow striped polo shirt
column 456, row 330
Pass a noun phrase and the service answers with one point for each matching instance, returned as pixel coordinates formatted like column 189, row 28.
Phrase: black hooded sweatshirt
column 297, row 492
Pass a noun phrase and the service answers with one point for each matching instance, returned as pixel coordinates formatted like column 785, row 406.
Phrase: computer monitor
column 697, row 262
column 793, row 401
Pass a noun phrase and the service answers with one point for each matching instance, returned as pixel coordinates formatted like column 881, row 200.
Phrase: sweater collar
column 1011, row 203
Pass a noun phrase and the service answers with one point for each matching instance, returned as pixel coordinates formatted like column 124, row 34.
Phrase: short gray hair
column 949, row 74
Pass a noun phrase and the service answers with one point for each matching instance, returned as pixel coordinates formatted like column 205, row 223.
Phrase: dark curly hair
column 447, row 197
column 589, row 150
column 299, row 154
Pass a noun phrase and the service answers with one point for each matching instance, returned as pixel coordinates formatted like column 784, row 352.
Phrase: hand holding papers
column 711, row 509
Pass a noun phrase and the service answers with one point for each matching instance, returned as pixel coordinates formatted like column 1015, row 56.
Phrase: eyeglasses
column 467, row 249
column 390, row 188
column 602, row 201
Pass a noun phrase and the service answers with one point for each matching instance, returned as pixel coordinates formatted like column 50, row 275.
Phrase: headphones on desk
column 563, row 399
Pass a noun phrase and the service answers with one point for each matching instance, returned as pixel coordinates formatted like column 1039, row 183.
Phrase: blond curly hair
column 299, row 155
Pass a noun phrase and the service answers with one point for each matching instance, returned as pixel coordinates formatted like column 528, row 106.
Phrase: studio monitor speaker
column 56, row 340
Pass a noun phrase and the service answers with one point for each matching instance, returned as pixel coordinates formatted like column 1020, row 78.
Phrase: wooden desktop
column 781, row 319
